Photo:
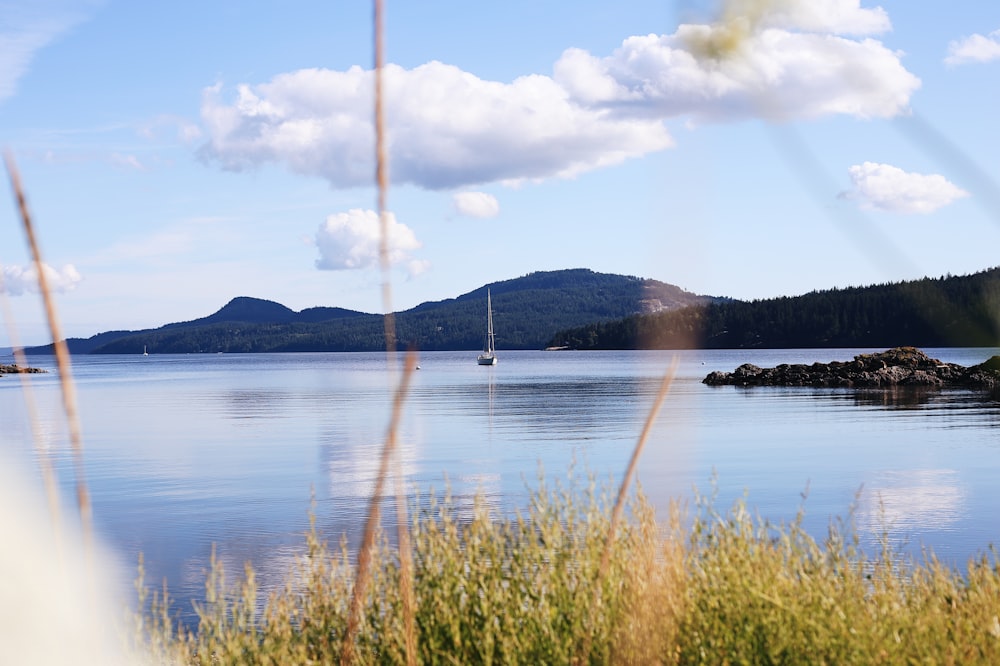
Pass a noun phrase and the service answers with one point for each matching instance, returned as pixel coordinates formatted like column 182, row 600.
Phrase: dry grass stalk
column 405, row 550
column 363, row 572
column 61, row 353
column 48, row 475
column 616, row 514
column 389, row 322
column 619, row 508
column 382, row 183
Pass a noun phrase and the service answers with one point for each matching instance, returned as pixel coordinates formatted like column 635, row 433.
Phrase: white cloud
column 417, row 267
column 129, row 162
column 772, row 59
column 447, row 128
column 351, row 240
column 889, row 188
column 975, row 48
column 26, row 29
column 786, row 60
column 722, row 73
column 476, row 204
column 183, row 129
column 844, row 17
column 17, row 280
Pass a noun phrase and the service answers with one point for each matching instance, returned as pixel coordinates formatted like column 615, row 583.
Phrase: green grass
column 726, row 589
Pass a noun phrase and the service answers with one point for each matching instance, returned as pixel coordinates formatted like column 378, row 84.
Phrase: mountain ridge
column 582, row 309
column 528, row 310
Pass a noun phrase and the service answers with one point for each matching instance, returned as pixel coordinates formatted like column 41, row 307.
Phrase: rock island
column 901, row 366
column 6, row 369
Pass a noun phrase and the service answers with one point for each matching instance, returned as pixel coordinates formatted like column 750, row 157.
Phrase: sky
column 178, row 155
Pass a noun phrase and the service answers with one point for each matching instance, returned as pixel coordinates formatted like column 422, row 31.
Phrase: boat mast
column 489, row 323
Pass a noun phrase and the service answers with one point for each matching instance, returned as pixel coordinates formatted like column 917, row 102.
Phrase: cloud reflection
column 352, row 466
column 901, row 501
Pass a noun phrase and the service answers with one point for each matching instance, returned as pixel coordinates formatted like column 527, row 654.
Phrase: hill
column 258, row 311
column 960, row 311
column 527, row 311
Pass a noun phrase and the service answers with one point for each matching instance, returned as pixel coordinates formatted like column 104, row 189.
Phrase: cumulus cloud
column 889, row 188
column 845, row 17
column 476, row 204
column 26, row 29
column 18, row 280
column 448, row 128
column 784, row 60
column 351, row 240
column 741, row 68
column 975, row 48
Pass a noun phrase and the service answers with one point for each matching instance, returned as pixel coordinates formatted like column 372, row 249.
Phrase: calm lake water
column 186, row 451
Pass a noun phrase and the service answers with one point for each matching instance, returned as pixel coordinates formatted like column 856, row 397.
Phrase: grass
column 727, row 589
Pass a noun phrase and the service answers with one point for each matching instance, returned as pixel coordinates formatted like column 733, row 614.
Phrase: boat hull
column 485, row 359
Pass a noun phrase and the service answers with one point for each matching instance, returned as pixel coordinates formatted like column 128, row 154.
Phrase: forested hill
column 950, row 311
column 527, row 312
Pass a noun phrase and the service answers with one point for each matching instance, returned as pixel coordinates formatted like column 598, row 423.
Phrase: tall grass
column 492, row 589
column 759, row 594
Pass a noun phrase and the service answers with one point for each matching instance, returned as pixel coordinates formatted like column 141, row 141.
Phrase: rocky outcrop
column 13, row 369
column 902, row 366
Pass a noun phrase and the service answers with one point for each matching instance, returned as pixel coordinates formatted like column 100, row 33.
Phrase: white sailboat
column 489, row 355
column 144, row 352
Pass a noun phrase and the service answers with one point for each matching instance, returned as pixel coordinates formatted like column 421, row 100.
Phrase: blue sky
column 176, row 155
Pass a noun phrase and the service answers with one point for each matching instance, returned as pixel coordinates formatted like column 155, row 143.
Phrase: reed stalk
column 44, row 464
column 405, row 551
column 389, row 323
column 363, row 573
column 382, row 181
column 619, row 507
column 61, row 353
column 633, row 463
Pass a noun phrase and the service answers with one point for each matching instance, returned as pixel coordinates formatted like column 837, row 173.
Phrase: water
column 183, row 452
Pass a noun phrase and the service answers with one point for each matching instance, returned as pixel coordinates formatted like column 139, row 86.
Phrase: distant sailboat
column 489, row 355
column 144, row 352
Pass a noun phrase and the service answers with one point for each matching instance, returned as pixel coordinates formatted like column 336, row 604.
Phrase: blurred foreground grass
column 722, row 588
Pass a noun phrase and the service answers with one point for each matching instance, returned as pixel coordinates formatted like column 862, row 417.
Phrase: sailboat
column 144, row 352
column 489, row 355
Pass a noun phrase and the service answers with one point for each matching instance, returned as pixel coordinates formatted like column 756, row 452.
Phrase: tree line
column 961, row 311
